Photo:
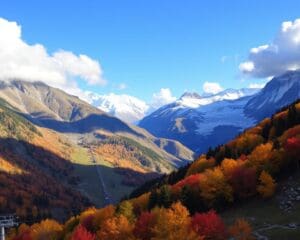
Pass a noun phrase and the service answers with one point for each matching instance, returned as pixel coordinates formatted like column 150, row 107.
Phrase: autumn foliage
column 174, row 223
column 241, row 230
column 192, row 181
column 144, row 225
column 116, row 228
column 267, row 185
column 81, row 233
column 209, row 225
column 243, row 181
column 180, row 205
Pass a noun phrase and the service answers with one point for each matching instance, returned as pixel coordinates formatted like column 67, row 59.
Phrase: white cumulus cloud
column 247, row 67
column 212, row 87
column 163, row 97
column 32, row 62
column 81, row 66
column 281, row 55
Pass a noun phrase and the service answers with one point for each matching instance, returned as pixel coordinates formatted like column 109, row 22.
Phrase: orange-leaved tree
column 267, row 185
column 47, row 229
column 241, row 230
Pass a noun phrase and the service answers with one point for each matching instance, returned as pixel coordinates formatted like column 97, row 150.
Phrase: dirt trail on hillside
column 107, row 197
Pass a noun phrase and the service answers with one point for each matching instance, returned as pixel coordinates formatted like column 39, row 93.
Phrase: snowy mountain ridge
column 193, row 100
column 131, row 109
column 201, row 122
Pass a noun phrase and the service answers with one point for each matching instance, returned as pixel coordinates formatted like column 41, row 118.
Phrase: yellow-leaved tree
column 261, row 155
column 173, row 224
column 214, row 187
column 200, row 165
column 46, row 229
column 116, row 228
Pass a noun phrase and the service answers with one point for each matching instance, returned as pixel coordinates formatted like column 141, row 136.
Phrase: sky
column 153, row 50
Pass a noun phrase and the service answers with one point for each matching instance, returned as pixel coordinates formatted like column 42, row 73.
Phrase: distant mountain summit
column 200, row 122
column 190, row 95
column 194, row 100
column 125, row 107
column 195, row 120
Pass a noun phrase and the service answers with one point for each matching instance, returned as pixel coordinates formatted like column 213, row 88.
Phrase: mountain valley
column 100, row 155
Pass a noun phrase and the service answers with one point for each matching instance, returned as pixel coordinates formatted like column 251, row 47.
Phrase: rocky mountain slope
column 201, row 122
column 281, row 91
column 54, row 109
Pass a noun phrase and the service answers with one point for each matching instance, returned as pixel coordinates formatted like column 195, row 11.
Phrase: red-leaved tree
column 81, row 233
column 293, row 146
column 243, row 181
column 143, row 226
column 23, row 236
column 209, row 225
column 191, row 181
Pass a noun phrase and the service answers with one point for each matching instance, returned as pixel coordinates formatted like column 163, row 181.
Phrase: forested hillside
column 36, row 179
column 187, row 203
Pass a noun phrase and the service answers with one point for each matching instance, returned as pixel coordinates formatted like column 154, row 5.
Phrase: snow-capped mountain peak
column 131, row 109
column 194, row 100
column 125, row 107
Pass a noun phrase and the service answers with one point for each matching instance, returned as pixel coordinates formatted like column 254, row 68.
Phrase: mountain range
column 85, row 153
column 131, row 109
column 200, row 122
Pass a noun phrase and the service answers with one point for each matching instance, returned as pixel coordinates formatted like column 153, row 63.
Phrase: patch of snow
column 216, row 114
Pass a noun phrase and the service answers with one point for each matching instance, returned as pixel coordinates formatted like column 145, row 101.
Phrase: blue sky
column 148, row 45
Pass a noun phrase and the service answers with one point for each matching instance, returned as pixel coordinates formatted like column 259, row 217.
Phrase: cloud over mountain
column 163, row 97
column 282, row 54
column 32, row 62
column 212, row 87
